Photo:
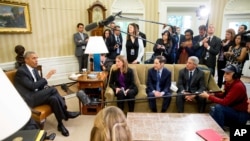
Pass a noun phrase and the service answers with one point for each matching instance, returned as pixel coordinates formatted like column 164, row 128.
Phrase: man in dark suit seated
column 35, row 91
column 158, row 84
column 191, row 80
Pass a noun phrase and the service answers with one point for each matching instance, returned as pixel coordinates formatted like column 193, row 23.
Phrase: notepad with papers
column 209, row 135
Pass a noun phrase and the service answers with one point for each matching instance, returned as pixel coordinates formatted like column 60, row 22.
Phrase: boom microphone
column 100, row 23
column 118, row 14
column 91, row 26
column 104, row 22
column 83, row 97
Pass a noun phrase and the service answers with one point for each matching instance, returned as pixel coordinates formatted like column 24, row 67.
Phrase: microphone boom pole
column 148, row 98
column 132, row 35
column 142, row 20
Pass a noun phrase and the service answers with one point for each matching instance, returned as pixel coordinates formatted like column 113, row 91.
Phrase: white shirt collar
column 30, row 68
column 31, row 71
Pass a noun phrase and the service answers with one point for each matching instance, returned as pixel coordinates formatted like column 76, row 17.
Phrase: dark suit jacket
column 78, row 45
column 181, row 38
column 197, row 49
column 215, row 46
column 112, row 42
column 107, row 64
column 165, row 81
column 164, row 52
column 129, row 80
column 197, row 82
column 143, row 36
column 25, row 85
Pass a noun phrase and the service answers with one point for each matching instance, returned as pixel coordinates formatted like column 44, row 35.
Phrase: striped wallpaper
column 54, row 22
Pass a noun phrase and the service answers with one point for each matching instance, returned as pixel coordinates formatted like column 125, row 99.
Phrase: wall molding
column 64, row 66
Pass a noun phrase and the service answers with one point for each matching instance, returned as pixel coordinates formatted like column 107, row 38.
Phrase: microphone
column 81, row 95
column 100, row 23
column 104, row 22
column 118, row 14
column 107, row 21
column 91, row 26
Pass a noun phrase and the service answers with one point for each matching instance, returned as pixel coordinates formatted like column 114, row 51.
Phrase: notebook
column 209, row 135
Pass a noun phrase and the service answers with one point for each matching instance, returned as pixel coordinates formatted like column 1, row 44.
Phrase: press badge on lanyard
column 132, row 52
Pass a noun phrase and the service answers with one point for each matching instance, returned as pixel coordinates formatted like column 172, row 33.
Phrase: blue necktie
column 158, row 81
column 118, row 42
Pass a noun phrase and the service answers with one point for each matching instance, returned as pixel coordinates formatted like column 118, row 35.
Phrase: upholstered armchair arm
column 38, row 113
column 212, row 85
column 109, row 94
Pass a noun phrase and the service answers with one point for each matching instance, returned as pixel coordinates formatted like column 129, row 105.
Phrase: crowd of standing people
column 228, row 54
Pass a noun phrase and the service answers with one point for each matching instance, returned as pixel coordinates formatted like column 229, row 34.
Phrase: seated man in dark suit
column 35, row 92
column 158, row 84
column 191, row 80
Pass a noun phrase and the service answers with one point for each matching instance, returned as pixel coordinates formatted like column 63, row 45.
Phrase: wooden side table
column 99, row 82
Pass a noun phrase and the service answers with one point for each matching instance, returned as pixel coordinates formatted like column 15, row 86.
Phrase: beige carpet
column 79, row 128
column 72, row 88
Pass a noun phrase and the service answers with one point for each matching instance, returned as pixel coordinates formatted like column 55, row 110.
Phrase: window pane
column 235, row 25
column 184, row 22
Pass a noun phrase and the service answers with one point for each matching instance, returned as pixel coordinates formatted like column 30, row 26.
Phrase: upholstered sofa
column 141, row 72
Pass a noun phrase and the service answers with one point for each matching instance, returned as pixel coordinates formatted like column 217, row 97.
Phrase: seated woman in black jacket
column 122, row 83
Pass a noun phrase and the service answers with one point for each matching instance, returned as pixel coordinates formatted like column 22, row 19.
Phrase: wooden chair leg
column 41, row 124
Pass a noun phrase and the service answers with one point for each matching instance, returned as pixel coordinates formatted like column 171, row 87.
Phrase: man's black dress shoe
column 51, row 136
column 62, row 129
column 72, row 114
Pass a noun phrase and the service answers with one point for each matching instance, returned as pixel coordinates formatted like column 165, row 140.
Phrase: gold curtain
column 217, row 14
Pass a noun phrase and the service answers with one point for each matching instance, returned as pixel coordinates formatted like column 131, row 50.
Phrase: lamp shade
column 14, row 111
column 96, row 45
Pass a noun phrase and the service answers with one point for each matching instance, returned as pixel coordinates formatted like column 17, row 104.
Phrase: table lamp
column 14, row 111
column 96, row 46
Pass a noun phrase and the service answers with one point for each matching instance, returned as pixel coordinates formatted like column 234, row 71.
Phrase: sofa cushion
column 136, row 79
column 177, row 68
column 172, row 70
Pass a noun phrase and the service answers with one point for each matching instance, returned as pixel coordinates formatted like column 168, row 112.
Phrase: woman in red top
column 231, row 107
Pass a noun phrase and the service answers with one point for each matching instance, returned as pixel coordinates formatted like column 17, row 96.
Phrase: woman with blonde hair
column 110, row 125
column 222, row 60
column 122, row 83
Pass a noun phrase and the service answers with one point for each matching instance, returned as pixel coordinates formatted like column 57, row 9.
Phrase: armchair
column 39, row 113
